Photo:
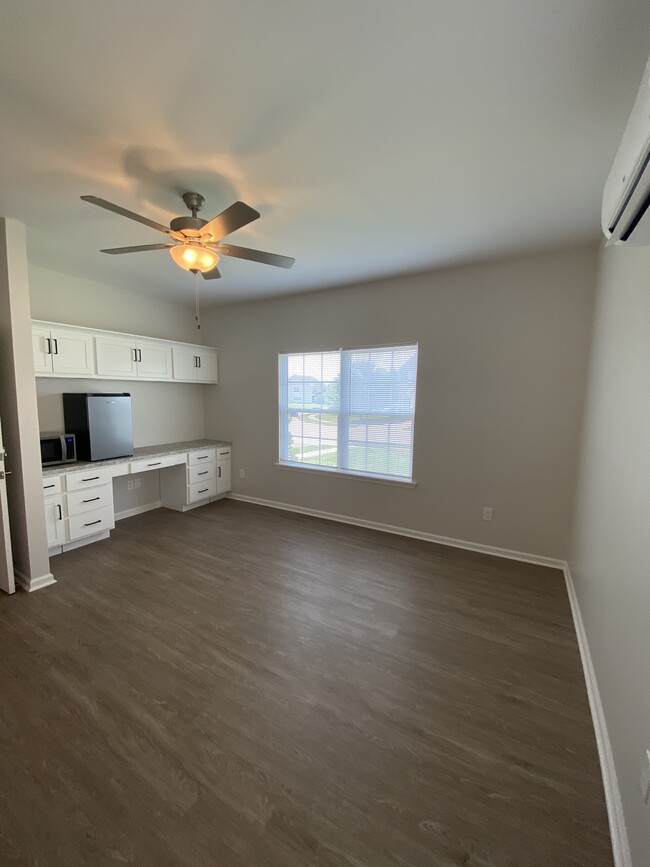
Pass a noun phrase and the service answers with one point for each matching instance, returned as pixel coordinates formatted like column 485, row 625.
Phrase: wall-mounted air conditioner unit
column 626, row 200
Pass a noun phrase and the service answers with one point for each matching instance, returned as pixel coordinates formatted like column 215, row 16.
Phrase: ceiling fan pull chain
column 197, row 311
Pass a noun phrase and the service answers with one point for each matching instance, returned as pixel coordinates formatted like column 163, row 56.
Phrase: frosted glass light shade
column 194, row 257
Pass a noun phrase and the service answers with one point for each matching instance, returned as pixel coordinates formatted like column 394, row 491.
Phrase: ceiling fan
column 196, row 243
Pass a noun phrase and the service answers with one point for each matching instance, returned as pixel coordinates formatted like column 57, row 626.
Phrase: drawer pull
column 91, row 500
column 203, row 457
column 204, row 473
column 98, row 521
column 155, row 464
column 48, row 486
column 204, row 490
column 91, row 479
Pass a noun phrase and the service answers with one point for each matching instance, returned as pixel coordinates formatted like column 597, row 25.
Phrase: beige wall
column 610, row 551
column 502, row 366
column 163, row 412
column 59, row 297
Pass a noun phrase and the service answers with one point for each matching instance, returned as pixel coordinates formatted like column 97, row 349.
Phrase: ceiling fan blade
column 227, row 221
column 141, row 249
column 211, row 275
column 109, row 206
column 255, row 255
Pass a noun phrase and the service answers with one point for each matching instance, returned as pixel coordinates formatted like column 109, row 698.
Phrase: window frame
column 343, row 415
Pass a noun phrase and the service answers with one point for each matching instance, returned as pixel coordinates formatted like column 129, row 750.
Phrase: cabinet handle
column 199, row 357
column 98, row 521
column 91, row 479
column 135, row 354
column 155, row 464
column 56, row 345
column 91, row 500
column 204, row 490
column 196, row 361
column 139, row 355
column 219, row 468
column 48, row 486
column 204, row 473
column 49, row 346
column 203, row 457
column 60, row 512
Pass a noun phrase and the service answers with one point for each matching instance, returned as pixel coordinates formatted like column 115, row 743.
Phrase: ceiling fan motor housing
column 183, row 224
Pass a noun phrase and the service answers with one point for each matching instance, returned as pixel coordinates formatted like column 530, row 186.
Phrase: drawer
column 89, row 478
column 223, row 452
column 80, row 502
column 143, row 466
column 201, row 457
column 201, row 473
column 92, row 522
column 201, row 490
column 51, row 485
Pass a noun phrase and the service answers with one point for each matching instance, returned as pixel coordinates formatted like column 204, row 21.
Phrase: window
column 350, row 410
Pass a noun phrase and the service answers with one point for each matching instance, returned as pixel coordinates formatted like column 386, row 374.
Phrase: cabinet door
column 42, row 349
column 54, row 520
column 207, row 369
column 224, row 478
column 185, row 363
column 72, row 353
column 116, row 357
column 154, row 360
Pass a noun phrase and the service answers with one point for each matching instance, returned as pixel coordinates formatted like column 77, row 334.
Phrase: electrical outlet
column 645, row 777
column 487, row 513
column 137, row 483
column 242, row 474
column 129, row 485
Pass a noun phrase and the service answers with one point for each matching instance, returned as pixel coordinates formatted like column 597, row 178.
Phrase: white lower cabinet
column 54, row 520
column 90, row 523
column 224, row 474
column 79, row 504
column 184, row 487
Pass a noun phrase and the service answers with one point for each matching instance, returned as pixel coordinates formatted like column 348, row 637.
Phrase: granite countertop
column 144, row 452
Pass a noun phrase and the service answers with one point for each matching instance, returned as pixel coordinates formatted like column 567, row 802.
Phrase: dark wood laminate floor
column 240, row 686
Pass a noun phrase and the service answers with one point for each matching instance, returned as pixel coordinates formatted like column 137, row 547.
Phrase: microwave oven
column 58, row 448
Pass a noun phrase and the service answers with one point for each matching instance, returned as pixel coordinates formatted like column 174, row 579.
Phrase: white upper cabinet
column 116, row 357
column 63, row 352
column 123, row 358
column 154, row 360
column 207, row 369
column 184, row 362
column 195, row 364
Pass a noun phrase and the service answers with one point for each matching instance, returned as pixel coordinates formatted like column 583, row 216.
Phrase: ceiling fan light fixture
column 194, row 257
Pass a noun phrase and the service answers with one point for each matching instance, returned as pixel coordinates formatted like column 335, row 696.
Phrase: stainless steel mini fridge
column 101, row 423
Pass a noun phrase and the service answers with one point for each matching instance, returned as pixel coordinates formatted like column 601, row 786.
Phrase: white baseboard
column 478, row 547
column 618, row 831
column 137, row 510
column 32, row 584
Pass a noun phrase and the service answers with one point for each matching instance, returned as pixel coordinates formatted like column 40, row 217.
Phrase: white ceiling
column 374, row 136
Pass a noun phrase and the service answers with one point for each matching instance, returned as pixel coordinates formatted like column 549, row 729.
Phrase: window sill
column 347, row 474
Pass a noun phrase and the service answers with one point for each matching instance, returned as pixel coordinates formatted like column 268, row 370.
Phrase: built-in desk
column 79, row 496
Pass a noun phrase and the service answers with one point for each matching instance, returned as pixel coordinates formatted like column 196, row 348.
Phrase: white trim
column 137, row 510
column 405, row 531
column 346, row 474
column 618, row 831
column 32, row 584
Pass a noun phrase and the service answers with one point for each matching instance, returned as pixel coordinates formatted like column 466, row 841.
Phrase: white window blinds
column 349, row 409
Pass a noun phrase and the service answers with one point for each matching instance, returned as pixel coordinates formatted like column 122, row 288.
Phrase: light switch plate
column 645, row 777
